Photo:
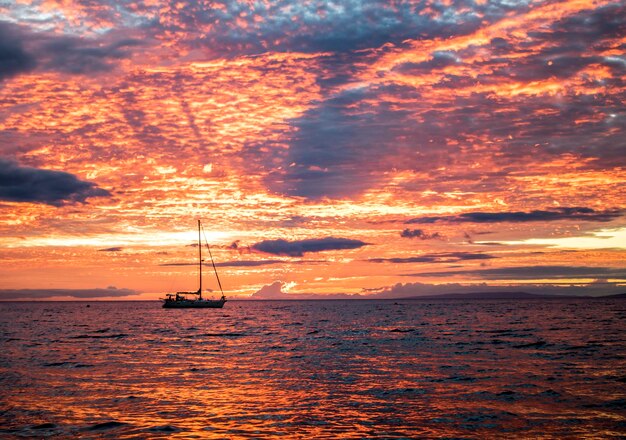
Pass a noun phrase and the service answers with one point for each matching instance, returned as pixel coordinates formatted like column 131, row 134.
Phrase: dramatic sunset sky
column 384, row 148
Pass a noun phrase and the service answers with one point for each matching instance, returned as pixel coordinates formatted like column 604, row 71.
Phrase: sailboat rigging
column 194, row 300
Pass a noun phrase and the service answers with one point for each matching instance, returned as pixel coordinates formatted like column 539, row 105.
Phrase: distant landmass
column 506, row 295
column 472, row 296
column 618, row 295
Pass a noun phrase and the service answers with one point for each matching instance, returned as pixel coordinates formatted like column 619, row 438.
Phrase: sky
column 331, row 148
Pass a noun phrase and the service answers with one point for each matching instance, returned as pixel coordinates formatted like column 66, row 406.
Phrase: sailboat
column 194, row 300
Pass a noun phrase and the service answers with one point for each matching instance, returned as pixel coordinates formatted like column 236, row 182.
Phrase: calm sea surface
column 314, row 369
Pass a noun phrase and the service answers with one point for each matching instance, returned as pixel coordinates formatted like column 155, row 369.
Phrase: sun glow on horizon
column 601, row 239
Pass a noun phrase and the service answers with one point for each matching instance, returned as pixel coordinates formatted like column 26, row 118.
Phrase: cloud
column 82, row 56
column 419, row 233
column 275, row 291
column 271, row 291
column 235, row 27
column 235, row 245
column 358, row 137
column 23, row 50
column 291, row 25
column 566, row 47
column 343, row 146
column 21, row 294
column 528, row 111
column 573, row 213
column 442, row 257
column 298, row 248
column 500, row 92
column 587, row 29
column 439, row 60
column 534, row 272
column 13, row 58
column 111, row 249
column 26, row 184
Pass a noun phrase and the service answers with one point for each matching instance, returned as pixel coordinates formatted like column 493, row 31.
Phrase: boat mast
column 219, row 283
column 199, row 260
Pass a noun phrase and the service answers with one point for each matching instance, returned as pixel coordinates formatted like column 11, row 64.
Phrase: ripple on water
column 105, row 426
column 90, row 336
column 164, row 429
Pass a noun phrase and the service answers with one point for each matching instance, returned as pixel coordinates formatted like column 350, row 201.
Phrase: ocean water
column 314, row 369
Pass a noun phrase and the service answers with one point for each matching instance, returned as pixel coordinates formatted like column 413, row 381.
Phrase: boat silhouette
column 194, row 300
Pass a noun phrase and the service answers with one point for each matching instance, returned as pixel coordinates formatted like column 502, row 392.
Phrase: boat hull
column 194, row 304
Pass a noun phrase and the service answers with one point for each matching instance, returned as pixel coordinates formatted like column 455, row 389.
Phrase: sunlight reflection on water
column 314, row 369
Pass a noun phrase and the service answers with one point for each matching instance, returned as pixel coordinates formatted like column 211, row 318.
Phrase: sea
column 359, row 369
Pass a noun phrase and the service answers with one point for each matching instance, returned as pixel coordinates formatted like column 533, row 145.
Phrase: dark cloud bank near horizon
column 27, row 294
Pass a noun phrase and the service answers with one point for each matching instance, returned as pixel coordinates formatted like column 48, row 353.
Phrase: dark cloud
column 111, row 249
column 572, row 213
column 343, row 146
column 542, row 66
column 441, row 257
column 23, row 50
column 535, row 272
column 235, row 245
column 233, row 27
column 346, row 143
column 351, row 141
column 566, row 47
column 587, row 28
column 561, row 61
column 13, row 57
column 288, row 25
column 298, row 248
column 23, row 294
column 26, row 184
column 82, row 56
column 421, row 234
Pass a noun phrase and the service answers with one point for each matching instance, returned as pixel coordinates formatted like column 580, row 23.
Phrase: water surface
column 314, row 369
